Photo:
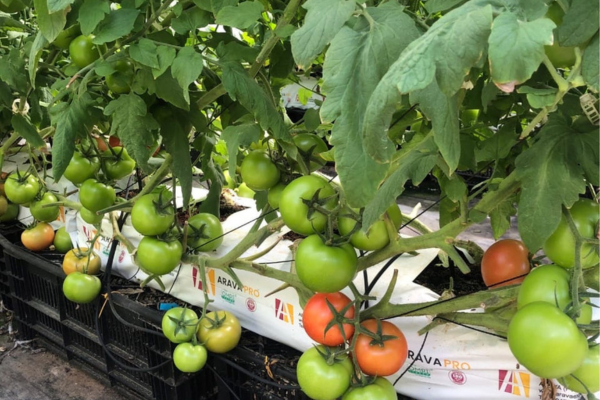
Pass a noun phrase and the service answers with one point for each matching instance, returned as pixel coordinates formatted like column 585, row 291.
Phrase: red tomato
column 317, row 315
column 504, row 260
column 381, row 358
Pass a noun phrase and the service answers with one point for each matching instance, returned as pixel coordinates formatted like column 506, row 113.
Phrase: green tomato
column 62, row 241
column 380, row 389
column 561, row 57
column 323, row 268
column 244, row 191
column 151, row 217
column 377, row 237
column 21, row 189
column 275, row 194
column 81, row 288
column 82, row 51
column 179, row 324
column 220, row 331
column 12, row 211
column 119, row 164
column 560, row 246
column 47, row 214
column 469, row 117
column 313, row 144
column 120, row 81
column 64, row 39
column 321, row 381
column 96, row 196
column 205, row 233
column 89, row 216
column 81, row 168
column 293, row 210
column 258, row 171
column 3, row 205
column 546, row 341
column 158, row 257
column 588, row 373
column 548, row 283
column 189, row 357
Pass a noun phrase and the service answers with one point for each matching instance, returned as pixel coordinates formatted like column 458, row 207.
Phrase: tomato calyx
column 21, row 178
column 339, row 319
column 216, row 323
column 182, row 323
column 332, row 355
column 163, row 206
column 378, row 338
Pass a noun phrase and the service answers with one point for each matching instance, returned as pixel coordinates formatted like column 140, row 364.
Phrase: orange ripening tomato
column 317, row 316
column 381, row 358
column 38, row 237
column 504, row 260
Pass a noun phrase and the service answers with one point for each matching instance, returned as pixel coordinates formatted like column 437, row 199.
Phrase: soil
column 439, row 278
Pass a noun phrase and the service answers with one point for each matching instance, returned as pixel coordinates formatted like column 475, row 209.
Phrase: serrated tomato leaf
column 25, row 128
column 186, row 68
column 176, row 141
column 240, row 135
column 242, row 16
column 91, row 13
column 590, row 68
column 580, row 23
column 115, row 25
column 50, row 24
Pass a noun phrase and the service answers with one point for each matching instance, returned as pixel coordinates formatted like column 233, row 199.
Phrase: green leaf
column 311, row 119
column 538, row 98
column 49, row 24
column 214, row 6
column 498, row 146
column 13, row 71
column 176, row 141
column 34, row 56
column 169, row 90
column 589, row 65
column 447, row 51
column 324, row 19
column 58, row 5
column 488, row 94
column 449, row 211
column 144, row 52
column 91, row 13
column 133, row 125
column 350, row 75
column 166, row 55
column 517, row 49
column 115, row 25
column 186, row 68
column 434, row 6
column 190, row 20
column 500, row 215
column 236, row 51
column 240, row 135
column 282, row 61
column 243, row 88
column 242, row 16
column 552, row 173
column 10, row 24
column 283, row 32
column 27, row 131
column 580, row 23
column 6, row 97
column 71, row 119
column 443, row 112
column 414, row 162
column 454, row 187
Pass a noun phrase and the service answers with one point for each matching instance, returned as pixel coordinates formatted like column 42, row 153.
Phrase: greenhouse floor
column 31, row 373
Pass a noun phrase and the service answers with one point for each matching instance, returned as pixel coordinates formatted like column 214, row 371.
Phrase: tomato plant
column 45, row 214
column 81, row 168
column 62, row 240
column 219, row 331
column 117, row 163
column 383, row 355
column 81, row 288
column 317, row 316
column 189, row 357
column 38, row 237
column 179, row 324
column 96, row 196
column 258, row 171
column 119, row 82
column 81, row 260
column 560, row 246
column 158, row 257
column 205, row 232
column 295, row 212
column 529, row 340
column 153, row 214
column 323, row 379
column 324, row 268
column 504, row 260
column 309, row 147
column 377, row 236
column 21, row 188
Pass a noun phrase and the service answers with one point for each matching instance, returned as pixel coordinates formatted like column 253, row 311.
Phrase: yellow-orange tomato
column 77, row 260
column 38, row 237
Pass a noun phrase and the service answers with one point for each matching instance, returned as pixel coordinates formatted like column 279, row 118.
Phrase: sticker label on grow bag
column 514, row 382
column 228, row 297
column 422, row 372
column 284, row 311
